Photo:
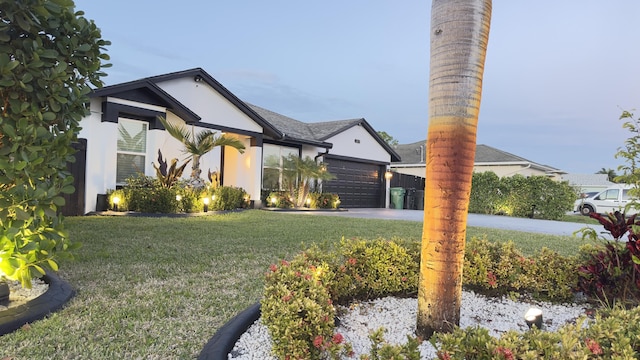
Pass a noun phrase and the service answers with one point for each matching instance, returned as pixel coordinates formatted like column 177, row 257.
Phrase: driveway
column 476, row 220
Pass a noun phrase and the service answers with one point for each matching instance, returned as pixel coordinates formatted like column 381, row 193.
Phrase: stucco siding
column 357, row 142
column 206, row 102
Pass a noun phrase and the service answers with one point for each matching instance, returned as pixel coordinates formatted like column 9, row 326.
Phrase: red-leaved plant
column 612, row 272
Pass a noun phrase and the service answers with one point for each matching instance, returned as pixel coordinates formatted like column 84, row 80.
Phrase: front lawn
column 159, row 288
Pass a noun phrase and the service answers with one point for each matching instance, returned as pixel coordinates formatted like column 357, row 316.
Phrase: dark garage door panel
column 359, row 185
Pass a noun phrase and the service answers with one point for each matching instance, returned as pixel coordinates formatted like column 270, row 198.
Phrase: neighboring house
column 487, row 158
column 588, row 182
column 123, row 137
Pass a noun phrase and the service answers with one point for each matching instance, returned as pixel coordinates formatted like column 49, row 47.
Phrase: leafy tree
column 459, row 37
column 611, row 174
column 388, row 138
column 50, row 55
column 631, row 154
column 198, row 145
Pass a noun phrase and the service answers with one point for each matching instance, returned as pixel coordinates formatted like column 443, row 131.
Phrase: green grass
column 159, row 288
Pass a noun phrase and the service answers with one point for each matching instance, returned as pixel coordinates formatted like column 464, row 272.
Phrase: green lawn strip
column 159, row 288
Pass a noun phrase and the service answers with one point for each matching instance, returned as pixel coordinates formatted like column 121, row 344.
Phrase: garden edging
column 222, row 343
column 58, row 294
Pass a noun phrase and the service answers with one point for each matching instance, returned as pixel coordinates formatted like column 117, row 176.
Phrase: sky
column 558, row 74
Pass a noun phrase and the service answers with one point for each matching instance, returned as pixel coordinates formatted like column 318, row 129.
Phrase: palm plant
column 304, row 171
column 199, row 144
column 459, row 36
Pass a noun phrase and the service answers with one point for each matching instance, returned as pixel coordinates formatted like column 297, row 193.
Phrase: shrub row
column 315, row 200
column 146, row 194
column 520, row 196
column 297, row 303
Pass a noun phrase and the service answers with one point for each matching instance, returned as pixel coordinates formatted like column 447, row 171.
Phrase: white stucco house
column 128, row 113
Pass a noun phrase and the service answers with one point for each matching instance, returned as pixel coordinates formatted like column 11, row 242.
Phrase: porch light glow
column 388, row 175
column 116, row 201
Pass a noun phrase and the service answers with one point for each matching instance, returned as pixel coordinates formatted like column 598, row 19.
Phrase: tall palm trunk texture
column 459, row 37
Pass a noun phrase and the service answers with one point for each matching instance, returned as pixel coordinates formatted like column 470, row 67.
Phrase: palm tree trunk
column 459, row 36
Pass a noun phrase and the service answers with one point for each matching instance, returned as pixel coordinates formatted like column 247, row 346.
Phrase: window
column 611, row 194
column 132, row 149
column 277, row 171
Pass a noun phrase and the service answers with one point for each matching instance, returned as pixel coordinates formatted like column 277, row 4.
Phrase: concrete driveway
column 476, row 220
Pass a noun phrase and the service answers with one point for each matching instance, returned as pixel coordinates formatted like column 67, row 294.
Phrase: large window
column 132, row 149
column 277, row 171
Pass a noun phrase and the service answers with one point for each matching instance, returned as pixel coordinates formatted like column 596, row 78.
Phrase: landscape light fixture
column 533, row 317
column 206, row 204
column 116, row 201
column 178, row 197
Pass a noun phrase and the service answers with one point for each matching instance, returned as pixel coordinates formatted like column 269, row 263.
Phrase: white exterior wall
column 344, row 144
column 207, row 103
column 102, row 140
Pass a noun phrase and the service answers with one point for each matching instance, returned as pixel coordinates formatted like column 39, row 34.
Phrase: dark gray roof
column 316, row 133
column 414, row 154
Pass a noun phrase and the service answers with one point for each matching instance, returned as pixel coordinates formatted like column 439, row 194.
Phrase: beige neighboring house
column 487, row 158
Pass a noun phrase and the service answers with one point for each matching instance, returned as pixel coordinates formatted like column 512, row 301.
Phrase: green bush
column 148, row 195
column 500, row 269
column 324, row 200
column 520, row 196
column 485, row 193
column 612, row 334
column 280, row 199
column 50, row 57
column 370, row 269
column 298, row 311
column 229, row 198
column 363, row 269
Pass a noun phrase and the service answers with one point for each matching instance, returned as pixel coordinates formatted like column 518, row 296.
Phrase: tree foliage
column 50, row 56
column 388, row 138
column 630, row 153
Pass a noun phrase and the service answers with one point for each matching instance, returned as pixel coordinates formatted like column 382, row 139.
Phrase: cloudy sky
column 558, row 73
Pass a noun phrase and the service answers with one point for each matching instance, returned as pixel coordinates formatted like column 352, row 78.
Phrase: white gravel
column 19, row 295
column 398, row 317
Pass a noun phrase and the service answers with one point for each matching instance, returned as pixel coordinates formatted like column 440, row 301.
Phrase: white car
column 609, row 200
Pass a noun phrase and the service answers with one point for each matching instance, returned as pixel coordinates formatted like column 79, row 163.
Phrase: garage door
column 359, row 185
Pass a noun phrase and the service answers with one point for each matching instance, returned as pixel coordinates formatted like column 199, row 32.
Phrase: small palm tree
column 303, row 172
column 198, row 145
column 611, row 174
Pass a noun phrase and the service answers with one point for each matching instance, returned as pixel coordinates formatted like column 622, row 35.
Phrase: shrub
column 370, row 269
column 298, row 311
column 500, row 269
column 50, row 56
column 324, row 200
column 485, row 192
column 611, row 269
column 149, row 195
column 520, row 196
column 280, row 199
column 612, row 334
column 229, row 198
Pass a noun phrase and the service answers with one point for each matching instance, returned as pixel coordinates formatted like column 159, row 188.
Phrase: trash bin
column 397, row 197
column 409, row 198
column 419, row 199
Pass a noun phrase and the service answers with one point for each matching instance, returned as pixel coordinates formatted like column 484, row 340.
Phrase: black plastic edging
column 222, row 343
column 58, row 294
